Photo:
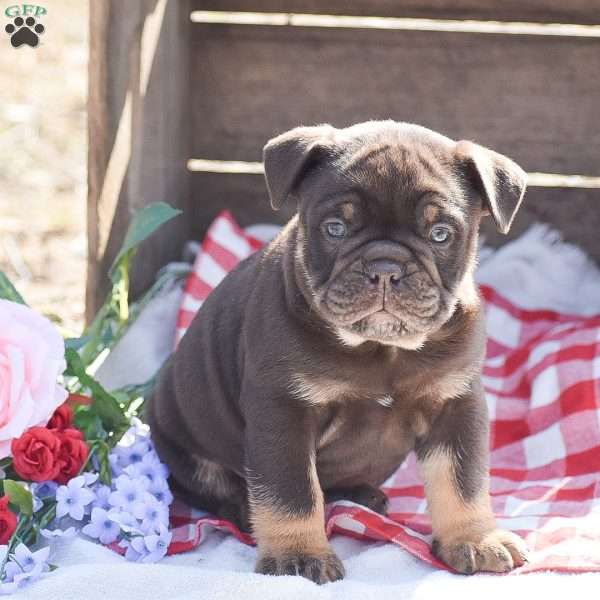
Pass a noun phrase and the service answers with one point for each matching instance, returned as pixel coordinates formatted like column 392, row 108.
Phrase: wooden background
column 165, row 89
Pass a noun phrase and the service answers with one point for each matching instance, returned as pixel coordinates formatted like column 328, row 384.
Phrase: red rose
column 72, row 456
column 35, row 454
column 62, row 417
column 8, row 521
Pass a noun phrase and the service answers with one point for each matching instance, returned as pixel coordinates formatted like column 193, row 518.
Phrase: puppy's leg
column 286, row 500
column 216, row 489
column 365, row 494
column 454, row 465
column 203, row 483
column 200, row 482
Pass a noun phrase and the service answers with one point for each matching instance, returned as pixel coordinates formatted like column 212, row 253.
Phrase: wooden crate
column 174, row 80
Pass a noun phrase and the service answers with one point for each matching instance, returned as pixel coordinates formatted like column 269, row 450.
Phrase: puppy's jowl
column 355, row 337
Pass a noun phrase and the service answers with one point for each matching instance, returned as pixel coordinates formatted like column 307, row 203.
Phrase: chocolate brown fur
column 320, row 362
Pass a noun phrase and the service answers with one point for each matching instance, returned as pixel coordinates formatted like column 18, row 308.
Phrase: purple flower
column 90, row 478
column 128, row 523
column 115, row 467
column 150, row 467
column 159, row 488
column 151, row 513
column 44, row 489
column 130, row 553
column 23, row 566
column 41, row 491
column 102, row 493
column 138, row 429
column 73, row 498
column 157, row 544
column 150, row 548
column 25, row 561
column 102, row 527
column 128, row 455
column 37, row 503
column 128, row 492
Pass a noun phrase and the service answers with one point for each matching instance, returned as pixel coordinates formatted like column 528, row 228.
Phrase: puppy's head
column 388, row 220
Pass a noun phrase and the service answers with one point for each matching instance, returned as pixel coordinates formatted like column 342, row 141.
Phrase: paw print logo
column 24, row 31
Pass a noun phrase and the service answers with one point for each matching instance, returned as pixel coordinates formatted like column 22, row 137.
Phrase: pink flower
column 32, row 356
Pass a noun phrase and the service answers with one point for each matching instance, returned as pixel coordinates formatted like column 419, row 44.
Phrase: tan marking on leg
column 279, row 533
column 453, row 519
column 466, row 533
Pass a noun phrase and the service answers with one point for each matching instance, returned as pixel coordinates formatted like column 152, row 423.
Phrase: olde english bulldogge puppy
column 355, row 337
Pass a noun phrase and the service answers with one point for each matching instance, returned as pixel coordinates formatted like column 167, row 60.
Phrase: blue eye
column 335, row 229
column 439, row 234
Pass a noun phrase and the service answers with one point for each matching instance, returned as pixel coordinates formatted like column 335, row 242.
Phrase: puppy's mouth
column 380, row 323
column 383, row 327
column 401, row 315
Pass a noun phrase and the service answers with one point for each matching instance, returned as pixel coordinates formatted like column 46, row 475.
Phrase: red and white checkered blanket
column 542, row 378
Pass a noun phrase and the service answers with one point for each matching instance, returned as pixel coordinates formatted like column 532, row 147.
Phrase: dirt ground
column 43, row 162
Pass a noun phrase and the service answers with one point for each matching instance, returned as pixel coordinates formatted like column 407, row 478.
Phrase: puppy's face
column 387, row 231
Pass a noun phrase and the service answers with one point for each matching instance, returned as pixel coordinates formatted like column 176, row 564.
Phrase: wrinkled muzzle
column 383, row 292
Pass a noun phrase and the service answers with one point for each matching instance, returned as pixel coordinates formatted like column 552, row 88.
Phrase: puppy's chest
column 361, row 442
column 391, row 413
column 398, row 393
column 368, row 425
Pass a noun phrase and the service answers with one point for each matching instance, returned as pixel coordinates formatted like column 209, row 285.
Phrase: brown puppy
column 355, row 337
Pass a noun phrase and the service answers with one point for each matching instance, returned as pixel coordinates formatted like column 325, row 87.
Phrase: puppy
column 354, row 338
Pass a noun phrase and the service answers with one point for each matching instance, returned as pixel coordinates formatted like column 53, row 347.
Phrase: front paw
column 498, row 551
column 320, row 569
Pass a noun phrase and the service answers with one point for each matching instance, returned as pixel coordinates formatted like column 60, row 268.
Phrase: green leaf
column 104, row 405
column 77, row 343
column 19, row 496
column 145, row 222
column 113, row 318
column 87, row 421
column 8, row 290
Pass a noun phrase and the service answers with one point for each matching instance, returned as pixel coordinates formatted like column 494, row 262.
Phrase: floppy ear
column 500, row 181
column 288, row 156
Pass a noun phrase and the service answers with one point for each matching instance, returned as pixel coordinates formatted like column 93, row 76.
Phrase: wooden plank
column 535, row 11
column 575, row 212
column 138, row 132
column 244, row 195
column 532, row 98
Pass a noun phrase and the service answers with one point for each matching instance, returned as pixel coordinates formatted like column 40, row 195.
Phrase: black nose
column 387, row 271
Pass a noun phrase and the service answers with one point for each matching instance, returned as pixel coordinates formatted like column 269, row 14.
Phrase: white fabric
column 535, row 272
column 221, row 569
column 540, row 271
column 146, row 344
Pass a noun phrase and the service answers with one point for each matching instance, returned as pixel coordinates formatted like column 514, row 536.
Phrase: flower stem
column 14, row 539
column 44, row 518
